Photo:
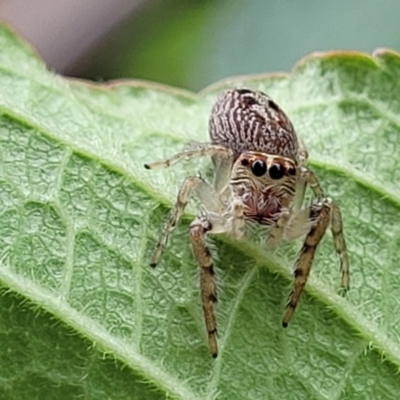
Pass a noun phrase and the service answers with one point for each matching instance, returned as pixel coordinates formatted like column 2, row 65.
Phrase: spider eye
column 245, row 162
column 292, row 171
column 259, row 168
column 276, row 171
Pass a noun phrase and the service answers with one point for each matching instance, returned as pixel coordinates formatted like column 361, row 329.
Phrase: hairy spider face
column 265, row 184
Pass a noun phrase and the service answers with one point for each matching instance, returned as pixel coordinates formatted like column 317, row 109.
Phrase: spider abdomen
column 245, row 120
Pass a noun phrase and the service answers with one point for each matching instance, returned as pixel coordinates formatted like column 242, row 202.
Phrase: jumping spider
column 260, row 165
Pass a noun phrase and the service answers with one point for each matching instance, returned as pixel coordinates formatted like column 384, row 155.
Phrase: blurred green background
column 194, row 43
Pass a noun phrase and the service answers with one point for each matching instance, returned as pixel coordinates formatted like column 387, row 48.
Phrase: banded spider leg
column 211, row 220
column 321, row 214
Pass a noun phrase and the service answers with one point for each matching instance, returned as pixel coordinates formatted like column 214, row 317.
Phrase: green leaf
column 83, row 315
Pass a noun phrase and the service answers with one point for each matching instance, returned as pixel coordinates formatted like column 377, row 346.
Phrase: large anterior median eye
column 276, row 171
column 259, row 168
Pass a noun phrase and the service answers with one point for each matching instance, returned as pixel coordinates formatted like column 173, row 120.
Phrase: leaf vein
column 97, row 334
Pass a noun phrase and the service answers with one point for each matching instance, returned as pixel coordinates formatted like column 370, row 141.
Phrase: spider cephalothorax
column 260, row 166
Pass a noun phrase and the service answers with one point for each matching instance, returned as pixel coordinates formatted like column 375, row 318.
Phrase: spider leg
column 197, row 150
column 312, row 180
column 235, row 221
column 223, row 169
column 174, row 216
column 320, row 213
column 340, row 245
column 198, row 230
column 212, row 220
column 336, row 227
column 277, row 230
column 303, row 153
column 208, row 198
